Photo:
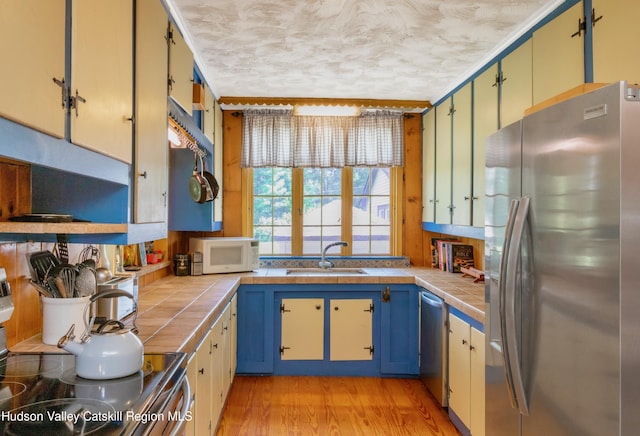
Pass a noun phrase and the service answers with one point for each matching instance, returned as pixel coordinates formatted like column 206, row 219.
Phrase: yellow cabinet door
column 516, row 86
column 32, row 34
column 226, row 351
column 192, row 376
column 217, row 372
column 102, row 76
column 208, row 115
column 203, row 392
column 302, row 335
column 461, row 143
column 485, row 123
column 459, row 369
column 615, row 41
column 151, row 113
column 476, row 384
column 233, row 329
column 558, row 55
column 351, row 332
column 180, row 71
column 428, row 166
column 443, row 162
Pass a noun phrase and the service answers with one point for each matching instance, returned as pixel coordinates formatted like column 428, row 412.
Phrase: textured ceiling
column 373, row 49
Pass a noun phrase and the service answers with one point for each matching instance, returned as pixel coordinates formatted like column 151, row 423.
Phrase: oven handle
column 186, row 406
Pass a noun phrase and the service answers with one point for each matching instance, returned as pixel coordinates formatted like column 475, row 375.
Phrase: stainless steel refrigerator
column 562, row 247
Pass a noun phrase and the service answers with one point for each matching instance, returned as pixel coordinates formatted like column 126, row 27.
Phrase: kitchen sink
column 324, row 271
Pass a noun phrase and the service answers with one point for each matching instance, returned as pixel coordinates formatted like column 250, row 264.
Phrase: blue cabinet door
column 255, row 330
column 399, row 341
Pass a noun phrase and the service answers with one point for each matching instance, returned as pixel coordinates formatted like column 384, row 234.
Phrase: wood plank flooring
column 277, row 405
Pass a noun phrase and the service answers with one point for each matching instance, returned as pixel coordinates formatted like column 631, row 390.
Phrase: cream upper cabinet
column 485, row 123
column 151, row 149
column 428, row 165
column 516, row 84
column 102, row 76
column 180, row 71
column 615, row 39
column 351, row 332
column 558, row 55
column 444, row 113
column 209, row 115
column 218, row 163
column 461, row 190
column 32, row 36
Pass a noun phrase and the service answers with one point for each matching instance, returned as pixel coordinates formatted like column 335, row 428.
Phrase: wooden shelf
column 61, row 228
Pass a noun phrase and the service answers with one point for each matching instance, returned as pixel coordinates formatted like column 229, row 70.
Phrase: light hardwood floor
column 277, row 405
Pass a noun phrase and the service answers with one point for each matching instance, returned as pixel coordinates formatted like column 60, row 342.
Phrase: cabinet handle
column 594, row 20
column 464, row 342
column 63, row 87
column 582, row 27
column 201, row 370
column 471, row 347
column 74, row 102
column 143, row 175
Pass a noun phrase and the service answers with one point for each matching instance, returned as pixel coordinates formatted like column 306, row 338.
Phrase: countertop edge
column 171, row 320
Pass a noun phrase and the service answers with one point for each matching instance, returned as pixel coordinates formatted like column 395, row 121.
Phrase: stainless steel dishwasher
column 434, row 345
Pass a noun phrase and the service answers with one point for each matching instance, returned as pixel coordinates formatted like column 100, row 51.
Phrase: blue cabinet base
column 395, row 331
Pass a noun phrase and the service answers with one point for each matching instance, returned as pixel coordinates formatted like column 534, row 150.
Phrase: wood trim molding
column 360, row 102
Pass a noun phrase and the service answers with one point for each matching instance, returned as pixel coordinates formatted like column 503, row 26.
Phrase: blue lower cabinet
column 399, row 339
column 314, row 329
column 255, row 330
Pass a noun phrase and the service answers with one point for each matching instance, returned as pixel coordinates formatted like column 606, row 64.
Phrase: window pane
column 282, row 181
column 272, row 209
column 331, row 211
column 262, row 181
column 282, row 210
column 312, row 181
column 371, row 213
column 262, row 211
column 331, row 181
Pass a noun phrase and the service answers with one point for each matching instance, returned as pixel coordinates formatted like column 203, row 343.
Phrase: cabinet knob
column 336, row 308
column 318, row 307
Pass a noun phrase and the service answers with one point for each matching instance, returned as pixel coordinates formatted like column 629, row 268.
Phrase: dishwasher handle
column 431, row 300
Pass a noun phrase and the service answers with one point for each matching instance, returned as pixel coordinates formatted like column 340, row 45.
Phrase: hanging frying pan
column 199, row 189
column 213, row 183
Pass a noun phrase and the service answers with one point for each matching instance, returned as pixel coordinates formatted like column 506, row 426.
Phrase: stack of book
column 449, row 254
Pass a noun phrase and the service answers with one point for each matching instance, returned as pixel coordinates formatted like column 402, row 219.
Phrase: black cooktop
column 40, row 394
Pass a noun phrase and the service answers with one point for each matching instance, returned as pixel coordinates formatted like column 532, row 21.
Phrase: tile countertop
column 174, row 312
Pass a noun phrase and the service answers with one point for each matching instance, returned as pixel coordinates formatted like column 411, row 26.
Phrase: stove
column 40, row 394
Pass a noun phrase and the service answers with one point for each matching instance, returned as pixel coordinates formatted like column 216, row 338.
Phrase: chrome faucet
column 327, row 263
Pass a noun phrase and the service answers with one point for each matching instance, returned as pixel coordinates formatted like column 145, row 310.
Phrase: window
column 315, row 180
column 298, row 211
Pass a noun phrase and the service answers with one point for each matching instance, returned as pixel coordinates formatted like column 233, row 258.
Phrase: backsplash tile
column 339, row 262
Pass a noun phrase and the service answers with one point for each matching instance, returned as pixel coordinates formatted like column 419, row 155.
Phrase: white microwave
column 226, row 254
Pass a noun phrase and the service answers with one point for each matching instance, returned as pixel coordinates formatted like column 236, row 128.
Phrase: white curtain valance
column 277, row 138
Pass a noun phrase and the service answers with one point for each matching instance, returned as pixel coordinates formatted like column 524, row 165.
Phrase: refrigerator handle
column 502, row 304
column 512, row 340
